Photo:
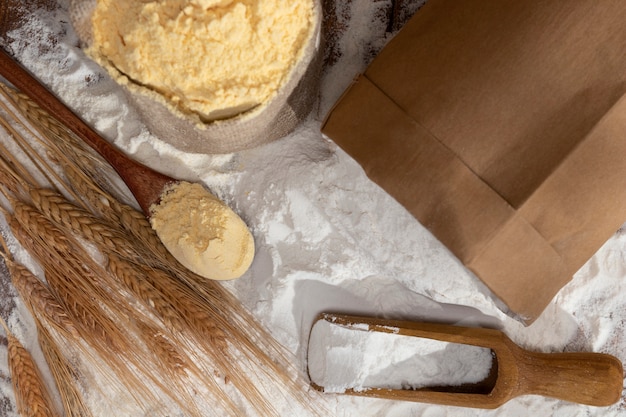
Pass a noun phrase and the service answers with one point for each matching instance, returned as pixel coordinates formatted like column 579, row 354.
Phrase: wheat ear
column 177, row 367
column 31, row 394
column 63, row 143
column 63, row 212
column 95, row 326
column 53, row 250
column 119, row 215
column 40, row 299
column 32, row 111
column 97, row 313
column 207, row 328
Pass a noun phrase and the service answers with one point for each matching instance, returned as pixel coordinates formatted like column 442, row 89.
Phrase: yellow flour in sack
column 213, row 58
column 203, row 233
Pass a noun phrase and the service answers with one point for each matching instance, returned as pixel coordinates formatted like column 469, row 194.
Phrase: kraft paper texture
column 501, row 126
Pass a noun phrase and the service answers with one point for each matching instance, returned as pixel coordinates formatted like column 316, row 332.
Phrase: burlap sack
column 292, row 103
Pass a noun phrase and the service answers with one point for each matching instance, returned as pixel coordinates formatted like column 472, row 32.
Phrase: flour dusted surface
column 327, row 238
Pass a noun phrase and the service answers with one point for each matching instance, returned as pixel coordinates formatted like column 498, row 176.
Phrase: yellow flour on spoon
column 202, row 232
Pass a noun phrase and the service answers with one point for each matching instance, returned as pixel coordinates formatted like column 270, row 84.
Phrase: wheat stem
column 65, row 375
column 131, row 303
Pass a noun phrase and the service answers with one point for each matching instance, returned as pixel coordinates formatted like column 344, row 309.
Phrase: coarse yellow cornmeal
column 214, row 58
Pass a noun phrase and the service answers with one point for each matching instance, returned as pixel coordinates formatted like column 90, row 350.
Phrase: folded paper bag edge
column 415, row 168
column 504, row 263
column 575, row 234
column 474, row 230
column 573, row 81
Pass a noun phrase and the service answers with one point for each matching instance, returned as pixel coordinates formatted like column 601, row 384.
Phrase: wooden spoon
column 588, row 378
column 145, row 184
column 231, row 251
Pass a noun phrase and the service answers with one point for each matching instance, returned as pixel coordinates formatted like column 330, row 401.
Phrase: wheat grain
column 190, row 312
column 32, row 111
column 121, row 217
column 135, row 222
column 40, row 299
column 10, row 179
column 58, row 209
column 196, row 312
column 142, row 288
column 27, row 149
column 90, row 194
column 31, row 394
column 172, row 359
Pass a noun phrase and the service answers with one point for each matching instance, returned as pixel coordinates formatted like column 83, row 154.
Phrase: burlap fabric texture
column 271, row 121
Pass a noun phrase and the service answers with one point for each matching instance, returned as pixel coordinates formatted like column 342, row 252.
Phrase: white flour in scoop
column 354, row 357
column 327, row 238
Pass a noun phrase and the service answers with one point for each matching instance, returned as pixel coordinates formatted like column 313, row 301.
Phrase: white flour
column 353, row 357
column 330, row 240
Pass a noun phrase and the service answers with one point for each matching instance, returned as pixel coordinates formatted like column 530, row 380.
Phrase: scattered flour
column 327, row 238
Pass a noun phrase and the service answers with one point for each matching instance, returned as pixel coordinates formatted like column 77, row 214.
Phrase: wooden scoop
column 144, row 183
column 587, row 378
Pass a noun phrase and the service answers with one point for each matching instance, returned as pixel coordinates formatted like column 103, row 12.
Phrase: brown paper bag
column 501, row 126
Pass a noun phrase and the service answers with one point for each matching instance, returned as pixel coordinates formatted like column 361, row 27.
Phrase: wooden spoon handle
column 145, row 183
column 25, row 82
column 587, row 378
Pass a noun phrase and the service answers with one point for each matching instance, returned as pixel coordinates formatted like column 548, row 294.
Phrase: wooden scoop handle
column 587, row 378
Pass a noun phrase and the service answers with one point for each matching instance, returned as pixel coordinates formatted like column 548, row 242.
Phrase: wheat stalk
column 11, row 180
column 45, row 308
column 40, row 299
column 74, row 284
column 82, row 303
column 64, row 373
column 81, row 169
column 38, row 161
column 190, row 312
column 193, row 310
column 64, row 145
column 54, row 250
column 178, row 367
column 32, row 396
column 32, row 111
column 184, row 315
column 142, row 288
column 58, row 209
